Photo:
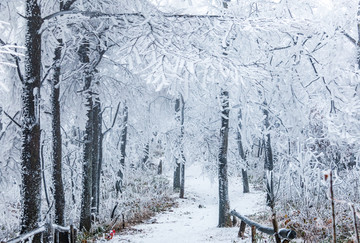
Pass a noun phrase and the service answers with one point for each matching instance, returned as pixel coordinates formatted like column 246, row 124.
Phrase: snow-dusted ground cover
column 196, row 217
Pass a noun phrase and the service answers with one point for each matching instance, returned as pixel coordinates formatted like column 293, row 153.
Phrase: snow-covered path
column 196, row 217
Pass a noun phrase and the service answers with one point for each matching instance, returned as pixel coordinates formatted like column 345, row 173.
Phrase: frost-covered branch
column 12, row 119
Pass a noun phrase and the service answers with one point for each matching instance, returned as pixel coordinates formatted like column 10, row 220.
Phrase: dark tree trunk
column 30, row 147
column 176, row 182
column 224, row 204
column 100, row 159
column 242, row 155
column 59, row 197
column 182, row 156
column 85, row 216
column 95, row 155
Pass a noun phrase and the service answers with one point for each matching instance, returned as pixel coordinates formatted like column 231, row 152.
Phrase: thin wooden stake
column 72, row 234
column 253, row 234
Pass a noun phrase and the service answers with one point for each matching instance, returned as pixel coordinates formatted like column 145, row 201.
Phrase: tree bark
column 30, row 147
column 59, row 197
column 269, row 163
column 182, row 156
column 95, row 155
column 176, row 182
column 123, row 148
column 358, row 41
column 242, row 154
column 85, row 216
column 224, row 204
column 146, row 155
column 100, row 159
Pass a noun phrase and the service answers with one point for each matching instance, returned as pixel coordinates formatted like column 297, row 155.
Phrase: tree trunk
column 182, row 156
column 30, row 147
column 176, row 182
column 358, row 41
column 100, row 159
column 146, row 155
column 269, row 163
column 95, row 155
column 242, row 155
column 123, row 148
column 85, row 216
column 59, row 197
column 224, row 204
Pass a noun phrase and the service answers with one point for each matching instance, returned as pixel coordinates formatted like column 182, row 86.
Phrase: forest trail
column 196, row 217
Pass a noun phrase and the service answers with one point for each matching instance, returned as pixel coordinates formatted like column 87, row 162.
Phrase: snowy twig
column 12, row 119
column 116, row 113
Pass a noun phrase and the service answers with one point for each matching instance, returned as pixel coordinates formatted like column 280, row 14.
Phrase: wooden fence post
column 72, row 233
column 253, row 234
column 242, row 229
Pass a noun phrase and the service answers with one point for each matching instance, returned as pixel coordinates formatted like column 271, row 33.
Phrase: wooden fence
column 49, row 232
column 285, row 234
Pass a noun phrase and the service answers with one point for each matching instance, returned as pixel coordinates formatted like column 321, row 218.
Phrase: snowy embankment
column 196, row 217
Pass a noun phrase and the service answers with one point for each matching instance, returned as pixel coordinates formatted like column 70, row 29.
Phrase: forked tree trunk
column 30, row 144
column 85, row 216
column 242, row 155
column 224, row 204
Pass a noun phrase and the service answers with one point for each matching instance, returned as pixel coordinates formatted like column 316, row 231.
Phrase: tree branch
column 352, row 40
column 16, row 62
column 116, row 113
column 12, row 119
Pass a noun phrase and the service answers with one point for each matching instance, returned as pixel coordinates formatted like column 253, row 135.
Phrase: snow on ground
column 196, row 217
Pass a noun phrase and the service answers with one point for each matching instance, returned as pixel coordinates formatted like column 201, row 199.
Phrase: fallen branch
column 283, row 233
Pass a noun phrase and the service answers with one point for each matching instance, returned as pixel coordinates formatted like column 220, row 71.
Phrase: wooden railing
column 285, row 234
column 49, row 232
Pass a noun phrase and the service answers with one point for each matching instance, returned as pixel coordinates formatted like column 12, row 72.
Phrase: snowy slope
column 196, row 217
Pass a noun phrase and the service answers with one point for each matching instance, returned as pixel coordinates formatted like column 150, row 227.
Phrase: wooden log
column 283, row 233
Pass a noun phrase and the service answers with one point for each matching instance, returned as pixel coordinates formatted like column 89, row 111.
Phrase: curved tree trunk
column 30, row 147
